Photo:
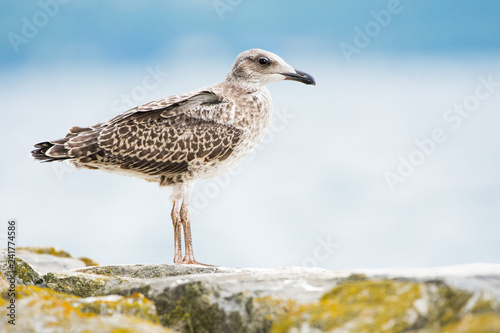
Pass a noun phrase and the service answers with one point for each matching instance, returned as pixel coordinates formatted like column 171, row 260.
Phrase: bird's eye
column 263, row 61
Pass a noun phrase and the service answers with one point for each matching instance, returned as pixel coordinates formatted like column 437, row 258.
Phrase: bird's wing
column 156, row 145
column 174, row 105
column 158, row 138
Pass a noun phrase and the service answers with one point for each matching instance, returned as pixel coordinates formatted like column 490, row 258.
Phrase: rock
column 53, row 251
column 44, row 310
column 25, row 273
column 145, row 271
column 44, row 261
column 78, row 284
column 281, row 300
column 471, row 277
column 388, row 306
column 191, row 298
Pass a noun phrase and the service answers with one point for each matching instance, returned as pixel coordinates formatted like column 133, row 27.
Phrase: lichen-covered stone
column 147, row 271
column 3, row 282
column 24, row 272
column 88, row 262
column 189, row 308
column 475, row 323
column 201, row 307
column 237, row 301
column 79, row 284
column 43, row 260
column 135, row 305
column 50, row 259
column 44, row 310
column 192, row 298
column 387, row 306
column 46, row 250
column 266, row 310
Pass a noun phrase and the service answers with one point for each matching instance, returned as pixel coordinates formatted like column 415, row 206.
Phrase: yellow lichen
column 88, row 262
column 484, row 303
column 134, row 305
column 43, row 293
column 364, row 304
column 274, row 307
column 59, row 310
column 46, row 250
column 383, row 306
column 475, row 323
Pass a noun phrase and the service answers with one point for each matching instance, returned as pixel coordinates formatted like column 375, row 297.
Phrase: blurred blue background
column 347, row 176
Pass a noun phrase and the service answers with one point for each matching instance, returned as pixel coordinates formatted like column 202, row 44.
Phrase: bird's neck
column 245, row 86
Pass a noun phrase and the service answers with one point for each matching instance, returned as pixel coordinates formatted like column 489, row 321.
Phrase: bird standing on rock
column 178, row 139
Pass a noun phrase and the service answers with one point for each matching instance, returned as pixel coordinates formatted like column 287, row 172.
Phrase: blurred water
column 315, row 193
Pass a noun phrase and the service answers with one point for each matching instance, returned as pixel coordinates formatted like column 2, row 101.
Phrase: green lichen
column 25, row 274
column 484, row 303
column 4, row 284
column 76, row 284
column 448, row 304
column 191, row 310
column 384, row 306
column 196, row 307
column 135, row 305
column 148, row 271
column 103, row 270
column 263, row 311
column 355, row 277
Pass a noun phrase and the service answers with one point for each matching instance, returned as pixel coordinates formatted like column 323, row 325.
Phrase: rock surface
column 44, row 261
column 166, row 297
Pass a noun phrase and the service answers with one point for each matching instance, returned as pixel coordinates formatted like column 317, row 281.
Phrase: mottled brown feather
column 166, row 145
column 157, row 138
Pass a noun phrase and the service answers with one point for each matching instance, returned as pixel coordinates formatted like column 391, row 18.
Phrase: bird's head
column 257, row 67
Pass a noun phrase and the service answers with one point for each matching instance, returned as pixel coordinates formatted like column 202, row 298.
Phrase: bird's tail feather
column 48, row 152
column 79, row 143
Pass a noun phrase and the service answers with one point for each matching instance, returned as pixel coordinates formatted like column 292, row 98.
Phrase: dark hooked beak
column 300, row 76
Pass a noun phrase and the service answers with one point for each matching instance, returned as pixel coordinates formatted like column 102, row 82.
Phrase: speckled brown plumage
column 158, row 143
column 176, row 140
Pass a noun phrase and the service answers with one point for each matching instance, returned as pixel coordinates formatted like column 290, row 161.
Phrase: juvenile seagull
column 178, row 139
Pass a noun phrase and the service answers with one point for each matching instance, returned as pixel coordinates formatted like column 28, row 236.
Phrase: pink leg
column 186, row 224
column 176, row 221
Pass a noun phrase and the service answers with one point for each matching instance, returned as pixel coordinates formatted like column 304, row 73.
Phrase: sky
column 390, row 161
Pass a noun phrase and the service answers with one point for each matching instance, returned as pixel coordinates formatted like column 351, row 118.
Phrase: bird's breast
column 252, row 115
